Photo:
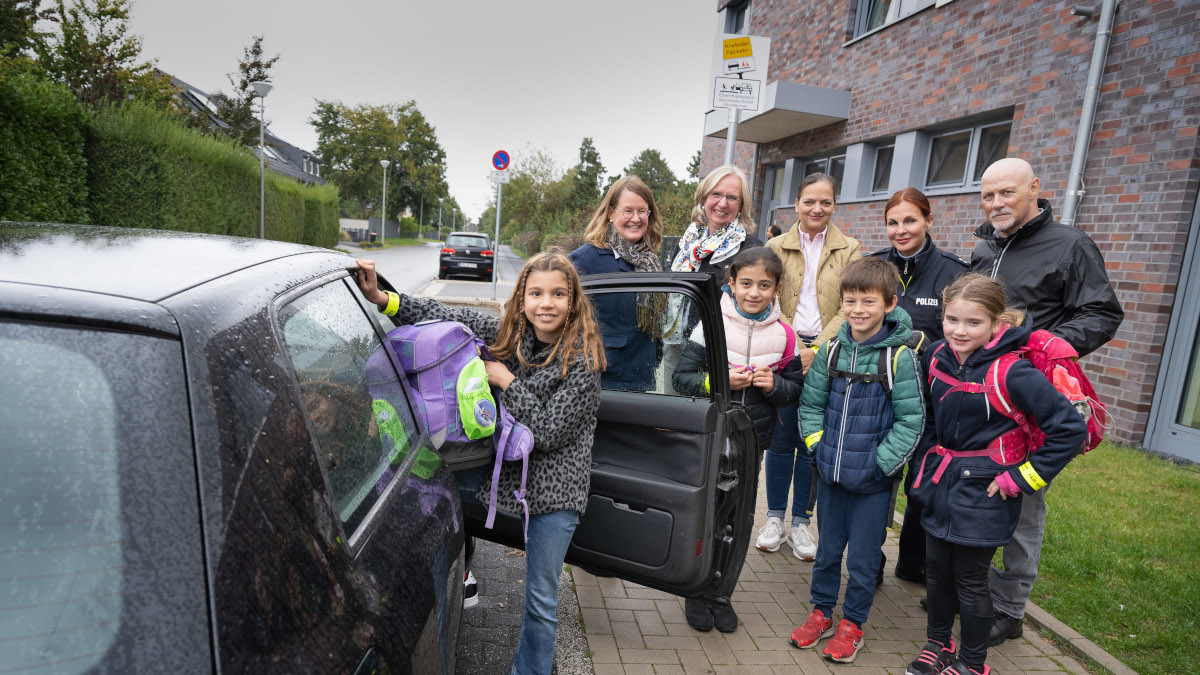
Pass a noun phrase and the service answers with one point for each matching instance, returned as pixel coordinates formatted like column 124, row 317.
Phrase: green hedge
column 41, row 148
column 146, row 170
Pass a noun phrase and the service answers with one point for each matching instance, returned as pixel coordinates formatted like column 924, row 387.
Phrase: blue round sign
column 500, row 160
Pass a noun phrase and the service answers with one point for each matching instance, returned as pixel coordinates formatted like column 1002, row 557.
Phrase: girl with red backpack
column 972, row 480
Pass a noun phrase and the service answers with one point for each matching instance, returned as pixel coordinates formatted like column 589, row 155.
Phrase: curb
column 1072, row 639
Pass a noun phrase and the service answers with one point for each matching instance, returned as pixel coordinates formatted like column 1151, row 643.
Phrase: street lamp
column 262, row 89
column 383, row 212
column 440, row 200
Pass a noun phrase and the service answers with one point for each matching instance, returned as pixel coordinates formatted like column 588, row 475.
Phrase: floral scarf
column 697, row 245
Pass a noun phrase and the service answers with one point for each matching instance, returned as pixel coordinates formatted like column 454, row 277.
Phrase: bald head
column 1009, row 191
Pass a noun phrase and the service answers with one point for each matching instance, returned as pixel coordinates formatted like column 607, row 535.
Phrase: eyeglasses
column 716, row 197
column 630, row 213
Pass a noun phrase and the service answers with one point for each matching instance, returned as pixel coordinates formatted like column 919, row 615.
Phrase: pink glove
column 1008, row 485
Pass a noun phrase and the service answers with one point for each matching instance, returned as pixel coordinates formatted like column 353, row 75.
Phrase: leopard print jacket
column 561, row 413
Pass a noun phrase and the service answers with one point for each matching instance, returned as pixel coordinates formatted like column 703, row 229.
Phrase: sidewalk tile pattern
column 633, row 630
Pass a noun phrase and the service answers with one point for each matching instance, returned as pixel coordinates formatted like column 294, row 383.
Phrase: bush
column 567, row 241
column 42, row 166
column 146, row 170
column 527, row 243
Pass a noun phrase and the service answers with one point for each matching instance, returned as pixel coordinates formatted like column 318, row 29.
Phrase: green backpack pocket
column 476, row 407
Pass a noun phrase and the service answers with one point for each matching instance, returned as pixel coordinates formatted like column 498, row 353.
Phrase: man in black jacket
column 1056, row 274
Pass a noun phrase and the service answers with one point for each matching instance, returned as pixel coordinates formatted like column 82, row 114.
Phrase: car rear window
column 466, row 241
column 93, row 430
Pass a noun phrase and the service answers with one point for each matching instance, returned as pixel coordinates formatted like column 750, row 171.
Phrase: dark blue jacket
column 859, row 435
column 632, row 355
column 957, row 509
column 923, row 277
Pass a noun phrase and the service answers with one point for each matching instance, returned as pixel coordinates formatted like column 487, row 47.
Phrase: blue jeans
column 549, row 536
column 851, row 522
column 784, row 462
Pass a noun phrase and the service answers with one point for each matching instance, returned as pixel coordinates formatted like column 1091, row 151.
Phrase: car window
column 361, row 421
column 96, row 455
column 646, row 337
column 466, row 241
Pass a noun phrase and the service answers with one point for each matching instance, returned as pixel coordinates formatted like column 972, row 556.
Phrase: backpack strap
column 996, row 380
column 884, row 376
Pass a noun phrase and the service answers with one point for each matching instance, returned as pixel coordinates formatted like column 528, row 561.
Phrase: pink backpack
column 1058, row 361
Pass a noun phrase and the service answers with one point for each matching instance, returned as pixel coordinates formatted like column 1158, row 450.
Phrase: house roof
column 282, row 157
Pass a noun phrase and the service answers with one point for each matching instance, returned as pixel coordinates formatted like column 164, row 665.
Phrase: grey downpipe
column 1083, row 137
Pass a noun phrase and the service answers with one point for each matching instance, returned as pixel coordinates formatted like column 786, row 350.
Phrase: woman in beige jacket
column 814, row 252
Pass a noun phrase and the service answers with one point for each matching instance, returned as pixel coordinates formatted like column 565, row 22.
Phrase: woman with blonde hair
column 721, row 228
column 624, row 235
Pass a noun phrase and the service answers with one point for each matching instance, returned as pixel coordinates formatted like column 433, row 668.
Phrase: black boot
column 1004, row 627
column 699, row 615
column 724, row 618
column 879, row 576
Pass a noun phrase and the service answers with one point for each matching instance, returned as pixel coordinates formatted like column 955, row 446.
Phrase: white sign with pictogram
column 735, row 92
column 735, row 66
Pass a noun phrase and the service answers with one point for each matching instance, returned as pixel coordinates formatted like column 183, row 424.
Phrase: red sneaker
column 815, row 627
column 845, row 643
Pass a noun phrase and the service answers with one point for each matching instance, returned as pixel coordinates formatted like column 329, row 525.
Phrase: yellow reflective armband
column 811, row 439
column 1031, row 476
column 707, row 390
column 393, row 305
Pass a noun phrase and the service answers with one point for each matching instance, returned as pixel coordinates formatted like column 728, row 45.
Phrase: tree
column 694, row 166
column 587, row 179
column 237, row 110
column 18, row 19
column 353, row 140
column 650, row 166
column 93, row 54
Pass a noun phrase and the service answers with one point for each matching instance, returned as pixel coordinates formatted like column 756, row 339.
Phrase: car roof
column 468, row 234
column 147, row 265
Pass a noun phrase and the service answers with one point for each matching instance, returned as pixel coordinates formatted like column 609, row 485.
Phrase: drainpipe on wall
column 1083, row 137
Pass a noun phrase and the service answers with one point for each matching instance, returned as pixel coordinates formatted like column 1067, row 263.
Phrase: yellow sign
column 737, row 48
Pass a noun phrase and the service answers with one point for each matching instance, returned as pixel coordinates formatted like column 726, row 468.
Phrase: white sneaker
column 771, row 535
column 803, row 543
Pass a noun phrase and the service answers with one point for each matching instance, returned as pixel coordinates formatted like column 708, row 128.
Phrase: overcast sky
column 488, row 74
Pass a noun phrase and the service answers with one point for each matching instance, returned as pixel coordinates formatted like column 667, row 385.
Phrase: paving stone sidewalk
column 634, row 630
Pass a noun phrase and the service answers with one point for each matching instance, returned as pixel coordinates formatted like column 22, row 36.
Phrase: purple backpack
column 447, row 381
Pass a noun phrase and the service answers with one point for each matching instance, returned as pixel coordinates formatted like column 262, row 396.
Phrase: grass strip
column 1120, row 558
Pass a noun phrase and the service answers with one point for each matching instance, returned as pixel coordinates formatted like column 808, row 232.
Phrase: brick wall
column 1031, row 58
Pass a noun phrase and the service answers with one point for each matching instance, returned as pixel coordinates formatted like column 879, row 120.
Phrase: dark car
column 467, row 254
column 210, row 465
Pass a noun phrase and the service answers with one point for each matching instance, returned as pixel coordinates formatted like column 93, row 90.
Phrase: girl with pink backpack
column 982, row 461
column 549, row 356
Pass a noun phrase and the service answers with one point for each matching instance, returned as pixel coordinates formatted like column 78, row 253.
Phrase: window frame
column 877, row 149
column 968, row 179
column 353, row 540
column 732, row 11
column 892, row 16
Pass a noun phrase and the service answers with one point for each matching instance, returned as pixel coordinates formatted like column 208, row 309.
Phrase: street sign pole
column 731, row 139
column 496, row 241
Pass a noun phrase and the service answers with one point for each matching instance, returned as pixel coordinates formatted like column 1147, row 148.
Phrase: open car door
column 674, row 464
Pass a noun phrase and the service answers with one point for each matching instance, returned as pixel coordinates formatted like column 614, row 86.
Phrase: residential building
column 281, row 157
column 926, row 93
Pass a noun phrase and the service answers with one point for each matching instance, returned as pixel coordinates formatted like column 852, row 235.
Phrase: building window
column 737, row 18
column 834, row 166
column 881, row 174
column 874, row 14
column 951, row 153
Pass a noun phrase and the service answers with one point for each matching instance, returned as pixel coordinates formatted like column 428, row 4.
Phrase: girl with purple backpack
column 549, row 360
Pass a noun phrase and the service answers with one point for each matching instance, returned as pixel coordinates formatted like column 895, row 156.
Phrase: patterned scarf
column 650, row 306
column 697, row 245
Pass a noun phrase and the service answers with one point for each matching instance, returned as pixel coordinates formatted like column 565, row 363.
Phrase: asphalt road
column 409, row 268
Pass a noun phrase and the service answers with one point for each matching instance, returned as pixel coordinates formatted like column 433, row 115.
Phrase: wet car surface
column 202, row 472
